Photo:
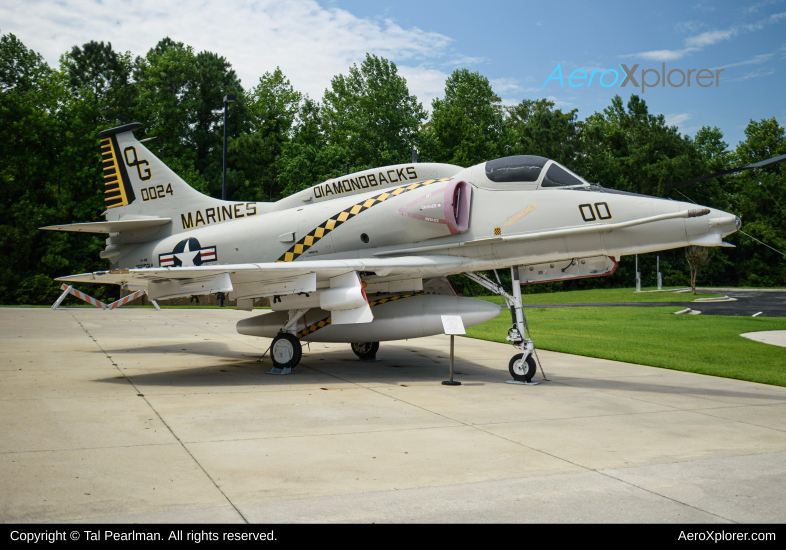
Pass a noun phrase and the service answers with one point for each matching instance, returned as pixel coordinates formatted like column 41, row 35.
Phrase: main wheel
column 286, row 351
column 365, row 350
column 521, row 370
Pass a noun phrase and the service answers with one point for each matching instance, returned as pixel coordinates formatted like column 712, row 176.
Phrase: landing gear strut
column 367, row 351
column 523, row 365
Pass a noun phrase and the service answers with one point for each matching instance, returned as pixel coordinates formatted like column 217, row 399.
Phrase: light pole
column 227, row 100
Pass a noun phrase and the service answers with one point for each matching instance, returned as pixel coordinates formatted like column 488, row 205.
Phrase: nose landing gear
column 522, row 366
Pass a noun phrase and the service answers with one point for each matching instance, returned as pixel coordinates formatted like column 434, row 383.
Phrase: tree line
column 281, row 141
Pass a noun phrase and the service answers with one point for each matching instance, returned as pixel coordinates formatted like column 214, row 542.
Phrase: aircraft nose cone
column 738, row 222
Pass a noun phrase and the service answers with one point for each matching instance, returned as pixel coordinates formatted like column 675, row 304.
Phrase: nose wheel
column 522, row 370
column 286, row 352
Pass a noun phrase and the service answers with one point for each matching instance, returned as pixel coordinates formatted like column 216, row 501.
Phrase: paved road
column 137, row 416
column 771, row 304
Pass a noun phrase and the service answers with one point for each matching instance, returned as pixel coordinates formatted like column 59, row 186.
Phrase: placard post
column 452, row 325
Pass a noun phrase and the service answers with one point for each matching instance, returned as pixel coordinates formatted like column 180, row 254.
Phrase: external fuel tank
column 396, row 317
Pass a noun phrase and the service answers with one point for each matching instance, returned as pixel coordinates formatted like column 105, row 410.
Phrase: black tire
column 286, row 351
column 365, row 350
column 522, row 373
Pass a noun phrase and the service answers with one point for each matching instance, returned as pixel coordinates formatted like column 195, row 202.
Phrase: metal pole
column 451, row 382
column 451, row 357
column 224, row 179
column 638, row 275
column 229, row 98
column 414, row 155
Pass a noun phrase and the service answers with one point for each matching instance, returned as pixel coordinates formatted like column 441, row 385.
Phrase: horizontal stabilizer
column 110, row 227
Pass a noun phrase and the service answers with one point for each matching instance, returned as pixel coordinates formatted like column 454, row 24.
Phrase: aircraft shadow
column 395, row 365
column 235, row 368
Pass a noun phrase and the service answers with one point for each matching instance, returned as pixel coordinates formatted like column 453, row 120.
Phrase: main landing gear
column 522, row 366
column 286, row 350
column 366, row 351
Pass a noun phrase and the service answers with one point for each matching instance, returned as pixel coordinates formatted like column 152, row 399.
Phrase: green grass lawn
column 603, row 295
column 702, row 344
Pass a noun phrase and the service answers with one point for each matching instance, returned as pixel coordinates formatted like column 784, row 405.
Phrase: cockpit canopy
column 528, row 168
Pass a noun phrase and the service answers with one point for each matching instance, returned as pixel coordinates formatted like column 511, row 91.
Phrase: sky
column 516, row 44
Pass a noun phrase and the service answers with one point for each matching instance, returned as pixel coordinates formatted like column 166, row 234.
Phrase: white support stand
column 657, row 268
column 59, row 301
column 638, row 275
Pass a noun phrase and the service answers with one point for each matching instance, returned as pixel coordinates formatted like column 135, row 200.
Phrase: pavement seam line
column 162, row 421
column 84, row 449
column 478, row 428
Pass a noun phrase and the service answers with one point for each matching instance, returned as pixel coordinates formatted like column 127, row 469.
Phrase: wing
column 267, row 279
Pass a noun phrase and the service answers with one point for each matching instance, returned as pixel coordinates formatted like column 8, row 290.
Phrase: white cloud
column 424, row 82
column 310, row 43
column 676, row 119
column 662, row 55
column 701, row 41
column 505, row 85
column 755, row 74
column 709, row 38
column 755, row 60
column 463, row 61
column 559, row 103
column 756, row 7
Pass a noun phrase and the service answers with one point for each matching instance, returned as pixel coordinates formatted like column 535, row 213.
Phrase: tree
column 371, row 114
column 697, row 258
column 759, row 198
column 213, row 79
column 536, row 128
column 629, row 149
column 167, row 104
column 273, row 107
column 40, row 182
column 466, row 126
column 308, row 158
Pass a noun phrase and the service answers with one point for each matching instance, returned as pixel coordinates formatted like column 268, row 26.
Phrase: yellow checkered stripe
column 326, row 227
column 114, row 190
column 325, row 322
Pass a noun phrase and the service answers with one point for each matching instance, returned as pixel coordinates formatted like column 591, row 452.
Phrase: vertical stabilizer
column 137, row 185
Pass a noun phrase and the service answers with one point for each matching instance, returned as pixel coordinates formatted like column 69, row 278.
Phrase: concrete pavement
column 136, row 415
column 772, row 337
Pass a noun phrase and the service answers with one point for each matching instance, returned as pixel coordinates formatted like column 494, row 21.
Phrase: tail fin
column 138, row 185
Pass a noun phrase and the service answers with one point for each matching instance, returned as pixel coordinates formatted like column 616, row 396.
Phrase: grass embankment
column 652, row 336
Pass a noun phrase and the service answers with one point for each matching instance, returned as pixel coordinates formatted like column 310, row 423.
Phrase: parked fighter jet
column 364, row 258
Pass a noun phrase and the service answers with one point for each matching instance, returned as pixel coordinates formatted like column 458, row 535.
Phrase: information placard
column 453, row 324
